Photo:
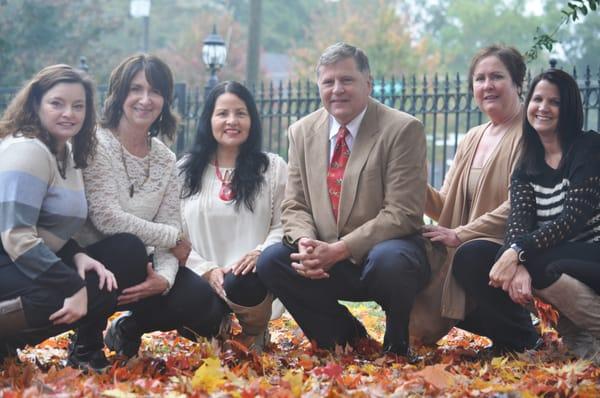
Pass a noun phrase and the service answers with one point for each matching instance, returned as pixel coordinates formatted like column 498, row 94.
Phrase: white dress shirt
column 334, row 128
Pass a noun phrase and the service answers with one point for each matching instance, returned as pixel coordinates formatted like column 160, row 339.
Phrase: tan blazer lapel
column 366, row 138
column 317, row 163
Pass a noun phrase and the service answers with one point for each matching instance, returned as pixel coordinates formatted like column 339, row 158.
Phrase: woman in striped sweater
column 48, row 283
column 552, row 244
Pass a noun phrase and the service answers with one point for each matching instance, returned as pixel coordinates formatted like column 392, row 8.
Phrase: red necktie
column 335, row 173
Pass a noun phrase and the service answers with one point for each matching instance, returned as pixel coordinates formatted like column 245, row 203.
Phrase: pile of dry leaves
column 171, row 366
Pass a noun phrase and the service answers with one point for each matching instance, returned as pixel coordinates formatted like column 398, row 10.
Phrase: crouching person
column 352, row 210
column 48, row 284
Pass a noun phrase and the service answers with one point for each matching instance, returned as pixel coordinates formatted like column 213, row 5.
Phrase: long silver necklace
column 132, row 185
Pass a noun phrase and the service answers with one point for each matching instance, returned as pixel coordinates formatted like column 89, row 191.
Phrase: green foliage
column 574, row 10
column 284, row 23
column 459, row 28
column 400, row 36
column 35, row 34
column 385, row 36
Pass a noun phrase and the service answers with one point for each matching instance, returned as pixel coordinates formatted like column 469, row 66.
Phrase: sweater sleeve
column 165, row 263
column 25, row 174
column 278, row 179
column 488, row 224
column 199, row 264
column 105, row 210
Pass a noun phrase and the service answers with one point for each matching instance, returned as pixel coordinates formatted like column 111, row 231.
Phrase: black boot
column 124, row 336
column 86, row 353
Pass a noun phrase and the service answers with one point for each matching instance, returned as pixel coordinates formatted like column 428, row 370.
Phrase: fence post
column 180, row 102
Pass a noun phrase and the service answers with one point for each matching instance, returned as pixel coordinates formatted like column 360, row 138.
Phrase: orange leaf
column 546, row 313
column 437, row 376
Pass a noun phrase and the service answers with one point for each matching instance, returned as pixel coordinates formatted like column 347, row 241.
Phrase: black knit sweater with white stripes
column 559, row 205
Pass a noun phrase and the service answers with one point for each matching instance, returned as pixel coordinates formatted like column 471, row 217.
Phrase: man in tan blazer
column 370, row 248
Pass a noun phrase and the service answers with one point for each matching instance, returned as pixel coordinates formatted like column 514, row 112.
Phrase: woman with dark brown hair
column 132, row 186
column 48, row 283
column 552, row 244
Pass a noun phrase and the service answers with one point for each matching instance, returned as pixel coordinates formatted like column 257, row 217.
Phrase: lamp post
column 214, row 52
column 83, row 65
column 141, row 9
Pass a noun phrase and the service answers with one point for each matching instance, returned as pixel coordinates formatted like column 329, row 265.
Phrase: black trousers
column 392, row 275
column 191, row 304
column 577, row 259
column 40, row 301
column 496, row 316
column 246, row 290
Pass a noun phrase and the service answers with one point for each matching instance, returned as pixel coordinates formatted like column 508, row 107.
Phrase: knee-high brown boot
column 12, row 321
column 12, row 317
column 254, row 321
column 579, row 315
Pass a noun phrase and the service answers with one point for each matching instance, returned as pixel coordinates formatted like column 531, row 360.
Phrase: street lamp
column 83, row 65
column 214, row 52
column 141, row 8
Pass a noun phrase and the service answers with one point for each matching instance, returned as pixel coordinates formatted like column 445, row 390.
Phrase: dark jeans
column 392, row 275
column 507, row 323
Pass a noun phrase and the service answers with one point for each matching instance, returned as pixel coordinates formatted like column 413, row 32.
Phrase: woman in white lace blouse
column 132, row 187
column 231, row 209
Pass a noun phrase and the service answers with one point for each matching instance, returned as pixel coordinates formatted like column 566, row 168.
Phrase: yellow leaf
column 210, row 376
column 115, row 393
column 499, row 362
column 295, row 380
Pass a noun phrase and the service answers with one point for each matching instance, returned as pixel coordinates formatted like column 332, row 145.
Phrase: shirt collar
column 353, row 126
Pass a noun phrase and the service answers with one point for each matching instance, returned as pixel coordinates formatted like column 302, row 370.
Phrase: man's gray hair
column 340, row 51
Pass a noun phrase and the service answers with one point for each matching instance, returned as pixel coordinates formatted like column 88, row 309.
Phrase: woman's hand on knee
column 215, row 278
column 246, row 264
column 85, row 263
column 73, row 309
column 153, row 285
column 447, row 236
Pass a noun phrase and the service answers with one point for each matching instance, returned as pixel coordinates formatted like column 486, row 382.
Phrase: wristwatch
column 520, row 252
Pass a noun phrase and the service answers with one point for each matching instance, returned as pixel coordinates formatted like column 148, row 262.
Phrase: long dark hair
column 251, row 162
column 160, row 78
column 21, row 116
column 570, row 121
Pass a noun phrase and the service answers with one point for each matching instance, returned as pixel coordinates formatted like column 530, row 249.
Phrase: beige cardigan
column 443, row 301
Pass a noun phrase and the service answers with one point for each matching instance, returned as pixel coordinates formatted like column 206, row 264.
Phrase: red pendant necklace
column 226, row 193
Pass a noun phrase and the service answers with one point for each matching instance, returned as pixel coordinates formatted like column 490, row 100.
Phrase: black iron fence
column 444, row 104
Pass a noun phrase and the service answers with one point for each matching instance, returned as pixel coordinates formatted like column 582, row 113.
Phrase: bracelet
column 180, row 238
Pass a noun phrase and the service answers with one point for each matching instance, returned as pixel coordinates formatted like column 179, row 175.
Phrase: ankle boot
column 85, row 352
column 12, row 317
column 576, row 301
column 254, row 321
column 124, row 336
